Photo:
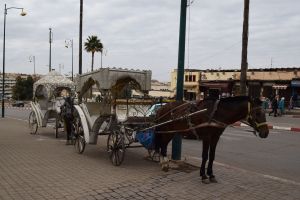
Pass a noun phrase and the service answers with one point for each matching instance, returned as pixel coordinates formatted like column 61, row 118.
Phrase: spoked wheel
column 116, row 147
column 32, row 122
column 79, row 135
column 79, row 144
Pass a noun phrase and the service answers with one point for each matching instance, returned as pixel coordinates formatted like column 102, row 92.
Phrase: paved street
column 275, row 155
column 42, row 167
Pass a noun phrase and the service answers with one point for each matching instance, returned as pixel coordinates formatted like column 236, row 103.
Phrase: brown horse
column 207, row 125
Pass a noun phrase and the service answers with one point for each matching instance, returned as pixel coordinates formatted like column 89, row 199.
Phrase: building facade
column 191, row 83
column 160, row 89
column 260, row 82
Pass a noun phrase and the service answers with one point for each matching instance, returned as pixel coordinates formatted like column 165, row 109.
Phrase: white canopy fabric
column 51, row 81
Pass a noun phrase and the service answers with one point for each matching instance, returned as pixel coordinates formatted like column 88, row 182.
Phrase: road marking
column 244, row 170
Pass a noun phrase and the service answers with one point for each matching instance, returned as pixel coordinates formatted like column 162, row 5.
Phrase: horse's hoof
column 213, row 180
column 165, row 168
column 205, row 181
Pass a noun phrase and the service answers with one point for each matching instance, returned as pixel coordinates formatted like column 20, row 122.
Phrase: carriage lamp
column 3, row 71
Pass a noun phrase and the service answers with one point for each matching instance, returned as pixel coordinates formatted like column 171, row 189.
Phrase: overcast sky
column 143, row 34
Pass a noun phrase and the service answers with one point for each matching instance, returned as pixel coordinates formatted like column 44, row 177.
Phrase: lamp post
column 32, row 59
column 3, row 71
column 50, row 41
column 69, row 43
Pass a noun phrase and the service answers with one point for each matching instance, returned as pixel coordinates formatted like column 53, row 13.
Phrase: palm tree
column 93, row 45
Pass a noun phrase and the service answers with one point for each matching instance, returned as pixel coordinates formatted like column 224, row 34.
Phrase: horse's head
column 257, row 118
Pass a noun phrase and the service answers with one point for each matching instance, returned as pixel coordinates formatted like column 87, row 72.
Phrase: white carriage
column 97, row 114
column 48, row 96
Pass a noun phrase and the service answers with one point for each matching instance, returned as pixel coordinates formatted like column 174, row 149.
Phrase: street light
column 32, row 59
column 69, row 43
column 3, row 71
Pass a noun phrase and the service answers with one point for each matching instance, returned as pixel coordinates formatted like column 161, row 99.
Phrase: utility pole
column 244, row 64
column 80, row 37
column 177, row 140
column 50, row 41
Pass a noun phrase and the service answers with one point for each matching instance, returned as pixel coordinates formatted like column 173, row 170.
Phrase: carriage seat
column 94, row 110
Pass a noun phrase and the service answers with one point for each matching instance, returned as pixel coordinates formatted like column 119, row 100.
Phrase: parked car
column 18, row 104
column 152, row 110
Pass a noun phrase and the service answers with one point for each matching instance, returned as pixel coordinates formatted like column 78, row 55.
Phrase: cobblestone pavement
column 42, row 167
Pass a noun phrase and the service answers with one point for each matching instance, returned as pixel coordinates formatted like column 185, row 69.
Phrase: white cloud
column 144, row 34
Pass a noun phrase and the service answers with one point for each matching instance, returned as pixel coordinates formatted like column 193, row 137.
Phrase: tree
column 244, row 64
column 23, row 89
column 93, row 45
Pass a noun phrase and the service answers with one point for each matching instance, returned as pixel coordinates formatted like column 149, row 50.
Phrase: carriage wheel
column 116, row 147
column 79, row 144
column 32, row 121
column 78, row 134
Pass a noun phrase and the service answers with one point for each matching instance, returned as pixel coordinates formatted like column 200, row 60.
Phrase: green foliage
column 93, row 45
column 23, row 89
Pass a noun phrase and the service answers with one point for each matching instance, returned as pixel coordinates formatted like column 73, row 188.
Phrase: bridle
column 250, row 120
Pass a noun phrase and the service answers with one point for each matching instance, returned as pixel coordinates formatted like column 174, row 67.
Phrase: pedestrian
column 274, row 106
column 281, row 106
column 67, row 115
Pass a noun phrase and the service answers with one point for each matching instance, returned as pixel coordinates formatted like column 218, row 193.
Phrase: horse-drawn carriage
column 48, row 96
column 207, row 118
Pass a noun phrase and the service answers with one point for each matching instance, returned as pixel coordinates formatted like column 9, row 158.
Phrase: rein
column 211, row 121
column 170, row 111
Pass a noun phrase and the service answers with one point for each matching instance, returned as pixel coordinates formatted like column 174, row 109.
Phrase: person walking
column 281, row 106
column 274, row 106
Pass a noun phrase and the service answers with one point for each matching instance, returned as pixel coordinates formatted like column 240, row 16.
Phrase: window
column 194, row 78
column 186, row 78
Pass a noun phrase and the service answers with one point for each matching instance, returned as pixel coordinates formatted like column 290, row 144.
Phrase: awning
column 279, row 87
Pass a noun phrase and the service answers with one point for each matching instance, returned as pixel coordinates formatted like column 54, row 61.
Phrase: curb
column 294, row 129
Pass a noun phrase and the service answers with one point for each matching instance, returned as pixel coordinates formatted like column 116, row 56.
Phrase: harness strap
column 206, row 124
column 171, row 111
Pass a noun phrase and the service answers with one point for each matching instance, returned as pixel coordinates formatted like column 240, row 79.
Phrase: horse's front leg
column 212, row 150
column 164, row 161
column 205, row 147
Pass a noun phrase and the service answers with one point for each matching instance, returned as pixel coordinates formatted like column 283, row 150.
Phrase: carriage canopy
column 51, row 85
